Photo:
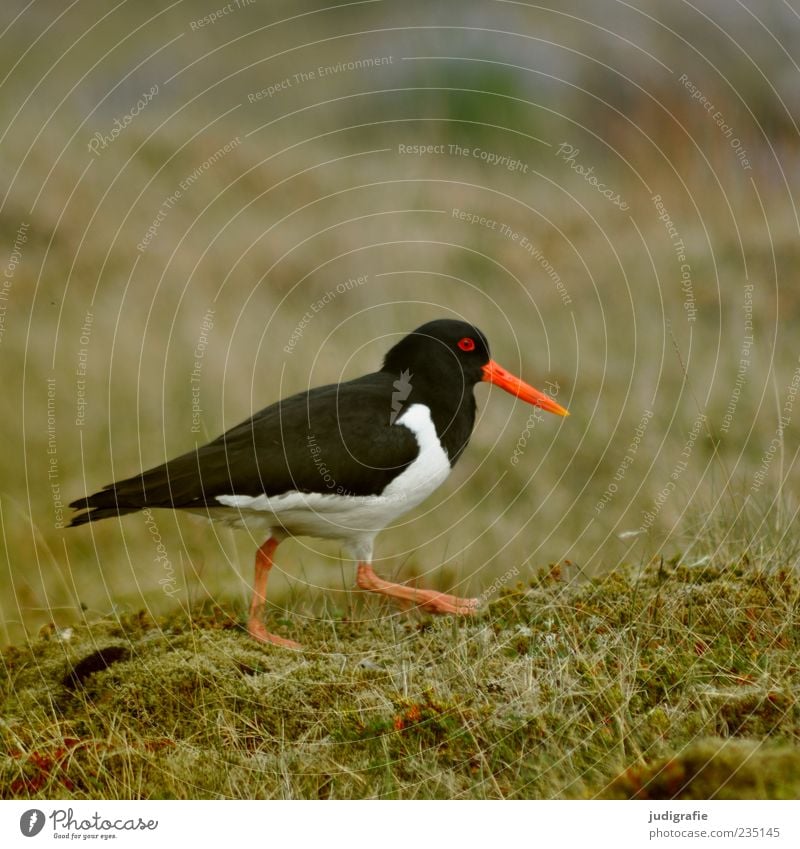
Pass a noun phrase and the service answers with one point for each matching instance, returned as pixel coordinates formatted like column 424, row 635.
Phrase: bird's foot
column 258, row 632
column 430, row 600
column 435, row 602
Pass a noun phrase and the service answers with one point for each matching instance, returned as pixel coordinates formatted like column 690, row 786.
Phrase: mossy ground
column 669, row 681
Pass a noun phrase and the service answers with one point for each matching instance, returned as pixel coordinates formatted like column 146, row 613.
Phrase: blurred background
column 205, row 207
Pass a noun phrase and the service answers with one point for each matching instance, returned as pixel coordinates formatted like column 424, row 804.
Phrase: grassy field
column 673, row 680
column 236, row 241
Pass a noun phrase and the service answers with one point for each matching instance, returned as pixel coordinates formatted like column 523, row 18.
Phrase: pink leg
column 255, row 626
column 428, row 600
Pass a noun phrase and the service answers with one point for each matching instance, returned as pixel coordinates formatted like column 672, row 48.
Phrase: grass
column 669, row 680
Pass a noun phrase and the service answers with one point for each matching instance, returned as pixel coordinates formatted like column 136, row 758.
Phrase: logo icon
column 31, row 822
column 402, row 388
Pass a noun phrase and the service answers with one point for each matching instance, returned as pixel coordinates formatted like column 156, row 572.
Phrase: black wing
column 336, row 438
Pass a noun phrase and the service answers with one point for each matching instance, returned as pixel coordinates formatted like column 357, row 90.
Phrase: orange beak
column 493, row 373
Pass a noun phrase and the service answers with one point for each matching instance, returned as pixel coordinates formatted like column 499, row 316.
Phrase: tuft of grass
column 662, row 681
column 722, row 769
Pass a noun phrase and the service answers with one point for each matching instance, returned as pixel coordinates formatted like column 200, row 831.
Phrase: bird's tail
column 101, row 505
column 173, row 484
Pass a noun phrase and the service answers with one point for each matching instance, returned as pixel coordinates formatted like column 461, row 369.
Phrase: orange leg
column 428, row 600
column 255, row 626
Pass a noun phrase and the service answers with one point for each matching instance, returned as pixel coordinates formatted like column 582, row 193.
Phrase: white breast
column 432, row 465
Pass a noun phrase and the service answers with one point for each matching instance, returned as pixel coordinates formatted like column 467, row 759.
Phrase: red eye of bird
column 467, row 344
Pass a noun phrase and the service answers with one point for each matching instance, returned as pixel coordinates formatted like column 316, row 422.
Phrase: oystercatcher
column 337, row 462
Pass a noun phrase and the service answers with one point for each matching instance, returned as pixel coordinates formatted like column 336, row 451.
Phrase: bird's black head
column 447, row 358
column 440, row 347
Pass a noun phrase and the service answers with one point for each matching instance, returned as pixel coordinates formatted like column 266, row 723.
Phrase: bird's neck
column 452, row 408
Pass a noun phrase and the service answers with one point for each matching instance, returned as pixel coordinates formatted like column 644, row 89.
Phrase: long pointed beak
column 496, row 374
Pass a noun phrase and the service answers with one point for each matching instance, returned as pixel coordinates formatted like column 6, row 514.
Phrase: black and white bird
column 337, row 462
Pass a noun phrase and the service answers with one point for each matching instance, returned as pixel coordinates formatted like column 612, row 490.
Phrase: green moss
column 557, row 690
column 715, row 769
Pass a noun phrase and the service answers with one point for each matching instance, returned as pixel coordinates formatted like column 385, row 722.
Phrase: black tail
column 173, row 484
column 94, row 515
column 101, row 505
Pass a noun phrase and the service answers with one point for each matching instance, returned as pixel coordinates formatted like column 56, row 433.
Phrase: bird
column 341, row 461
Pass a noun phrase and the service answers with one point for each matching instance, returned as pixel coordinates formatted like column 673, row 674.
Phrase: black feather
column 336, row 438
